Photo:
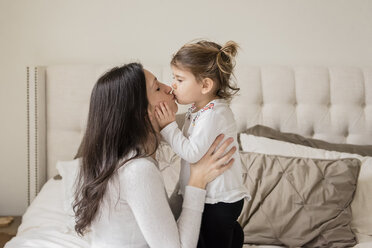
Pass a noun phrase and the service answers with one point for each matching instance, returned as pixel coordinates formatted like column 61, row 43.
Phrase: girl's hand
column 164, row 115
column 212, row 164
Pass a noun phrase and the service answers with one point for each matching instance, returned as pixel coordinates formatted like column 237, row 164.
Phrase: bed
column 331, row 104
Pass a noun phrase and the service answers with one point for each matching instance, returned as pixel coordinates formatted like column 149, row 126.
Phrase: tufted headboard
column 333, row 104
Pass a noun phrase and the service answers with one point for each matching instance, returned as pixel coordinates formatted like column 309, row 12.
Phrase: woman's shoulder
column 140, row 175
column 139, row 168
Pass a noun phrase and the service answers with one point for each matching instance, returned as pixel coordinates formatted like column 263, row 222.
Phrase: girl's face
column 158, row 92
column 186, row 88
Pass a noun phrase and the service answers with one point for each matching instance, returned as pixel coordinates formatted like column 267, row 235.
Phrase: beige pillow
column 169, row 164
column 299, row 202
column 361, row 206
column 267, row 132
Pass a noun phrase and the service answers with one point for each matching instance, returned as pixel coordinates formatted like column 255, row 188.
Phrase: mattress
column 46, row 224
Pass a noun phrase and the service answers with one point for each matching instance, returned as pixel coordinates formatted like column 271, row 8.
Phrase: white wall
column 44, row 32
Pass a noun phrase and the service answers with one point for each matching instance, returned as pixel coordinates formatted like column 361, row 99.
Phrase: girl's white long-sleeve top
column 198, row 133
column 136, row 212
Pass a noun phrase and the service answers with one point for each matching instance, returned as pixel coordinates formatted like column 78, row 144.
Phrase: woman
column 120, row 196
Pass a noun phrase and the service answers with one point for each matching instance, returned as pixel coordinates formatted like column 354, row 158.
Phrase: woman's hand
column 212, row 164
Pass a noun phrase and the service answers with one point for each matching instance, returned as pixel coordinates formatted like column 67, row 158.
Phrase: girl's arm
column 193, row 148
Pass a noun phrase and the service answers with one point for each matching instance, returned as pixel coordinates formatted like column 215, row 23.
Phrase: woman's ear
column 207, row 85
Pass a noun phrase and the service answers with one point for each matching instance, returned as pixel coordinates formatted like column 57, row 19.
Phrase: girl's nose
column 174, row 86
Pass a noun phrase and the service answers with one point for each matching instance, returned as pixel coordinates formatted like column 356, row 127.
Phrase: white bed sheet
column 46, row 225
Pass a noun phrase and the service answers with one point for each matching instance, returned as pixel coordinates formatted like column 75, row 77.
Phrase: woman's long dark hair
column 118, row 123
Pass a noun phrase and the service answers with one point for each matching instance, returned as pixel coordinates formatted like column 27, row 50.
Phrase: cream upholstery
column 333, row 104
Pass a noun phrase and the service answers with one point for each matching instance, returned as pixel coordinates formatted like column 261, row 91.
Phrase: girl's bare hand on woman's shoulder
column 212, row 164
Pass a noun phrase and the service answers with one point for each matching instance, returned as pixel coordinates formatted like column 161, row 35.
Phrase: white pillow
column 361, row 206
column 68, row 170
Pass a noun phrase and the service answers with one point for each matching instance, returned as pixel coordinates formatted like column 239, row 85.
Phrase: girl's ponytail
column 226, row 57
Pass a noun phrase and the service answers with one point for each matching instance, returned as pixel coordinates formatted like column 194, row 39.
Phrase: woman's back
column 115, row 224
column 135, row 205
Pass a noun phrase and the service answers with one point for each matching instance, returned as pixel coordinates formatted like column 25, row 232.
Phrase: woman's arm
column 206, row 170
column 213, row 163
column 144, row 191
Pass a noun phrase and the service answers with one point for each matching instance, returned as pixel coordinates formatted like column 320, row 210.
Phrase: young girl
column 202, row 72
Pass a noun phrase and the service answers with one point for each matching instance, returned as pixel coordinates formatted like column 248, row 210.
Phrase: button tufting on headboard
column 299, row 98
column 346, row 134
column 312, row 132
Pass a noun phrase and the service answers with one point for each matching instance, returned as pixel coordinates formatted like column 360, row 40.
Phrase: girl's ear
column 207, row 85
